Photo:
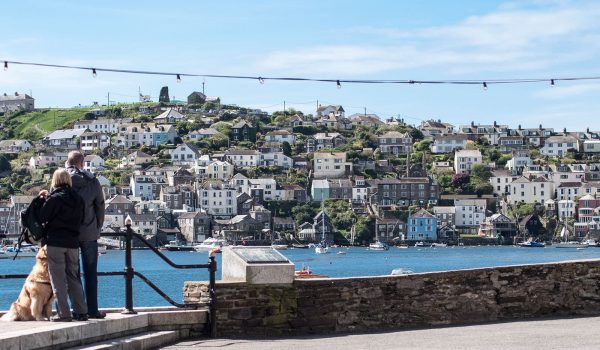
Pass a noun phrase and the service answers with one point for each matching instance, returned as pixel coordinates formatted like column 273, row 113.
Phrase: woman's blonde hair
column 61, row 178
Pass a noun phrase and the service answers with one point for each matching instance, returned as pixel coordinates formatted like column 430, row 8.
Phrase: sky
column 322, row 39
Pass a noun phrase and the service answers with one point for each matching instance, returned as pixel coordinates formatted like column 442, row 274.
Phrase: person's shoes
column 80, row 317
column 98, row 315
column 57, row 318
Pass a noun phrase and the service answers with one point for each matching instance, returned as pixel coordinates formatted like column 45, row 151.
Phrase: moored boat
column 422, row 244
column 380, row 246
column 279, row 246
column 210, row 243
column 532, row 244
column 439, row 245
column 25, row 251
column 299, row 246
column 175, row 246
column 570, row 244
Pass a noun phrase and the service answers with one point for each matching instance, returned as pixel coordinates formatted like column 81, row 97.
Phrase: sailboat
column 322, row 248
column 378, row 245
column 566, row 243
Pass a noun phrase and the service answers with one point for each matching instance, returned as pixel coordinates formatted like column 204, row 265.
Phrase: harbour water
column 353, row 262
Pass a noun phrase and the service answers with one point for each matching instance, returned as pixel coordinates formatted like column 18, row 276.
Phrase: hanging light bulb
column 485, row 86
column 339, row 86
column 94, row 74
column 178, row 78
column 261, row 80
column 5, row 65
column 551, row 82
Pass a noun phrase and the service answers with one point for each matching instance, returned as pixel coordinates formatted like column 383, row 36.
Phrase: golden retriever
column 35, row 300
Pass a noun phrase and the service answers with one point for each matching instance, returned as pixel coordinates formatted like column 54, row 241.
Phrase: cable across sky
column 262, row 79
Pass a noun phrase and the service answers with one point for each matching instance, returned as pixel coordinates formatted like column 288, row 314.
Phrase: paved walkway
column 569, row 333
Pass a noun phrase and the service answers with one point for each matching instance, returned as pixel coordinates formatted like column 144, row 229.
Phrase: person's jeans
column 89, row 263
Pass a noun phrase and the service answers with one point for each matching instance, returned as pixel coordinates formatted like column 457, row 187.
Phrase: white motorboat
column 570, row 244
column 210, row 244
column 279, row 246
column 439, row 245
column 592, row 243
column 380, row 246
column 25, row 251
column 321, row 249
column 422, row 244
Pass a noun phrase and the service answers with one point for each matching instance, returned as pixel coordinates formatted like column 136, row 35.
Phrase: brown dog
column 35, row 300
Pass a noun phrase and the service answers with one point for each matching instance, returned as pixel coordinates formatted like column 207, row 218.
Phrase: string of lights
column 178, row 76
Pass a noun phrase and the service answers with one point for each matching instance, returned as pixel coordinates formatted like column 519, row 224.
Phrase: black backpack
column 32, row 230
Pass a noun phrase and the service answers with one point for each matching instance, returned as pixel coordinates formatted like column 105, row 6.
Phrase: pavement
column 563, row 333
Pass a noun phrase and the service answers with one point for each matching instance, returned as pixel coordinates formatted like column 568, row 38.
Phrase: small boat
column 379, row 246
column 25, row 251
column 176, row 246
column 101, row 249
column 321, row 249
column 279, row 246
column 532, row 244
column 299, row 246
column 303, row 272
column 422, row 244
column 592, row 243
column 439, row 245
column 570, row 244
column 400, row 271
column 341, row 252
column 403, row 246
column 210, row 243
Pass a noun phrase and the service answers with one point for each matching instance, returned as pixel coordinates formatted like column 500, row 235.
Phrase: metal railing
column 129, row 274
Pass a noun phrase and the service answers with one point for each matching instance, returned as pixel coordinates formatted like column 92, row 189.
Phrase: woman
column 62, row 215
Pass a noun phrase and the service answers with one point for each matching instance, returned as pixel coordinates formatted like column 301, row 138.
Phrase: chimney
column 519, row 126
column 565, row 131
column 16, row 93
column 495, row 124
column 541, row 127
column 472, row 124
column 587, row 130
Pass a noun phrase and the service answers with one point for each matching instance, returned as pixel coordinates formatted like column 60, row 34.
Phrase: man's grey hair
column 75, row 158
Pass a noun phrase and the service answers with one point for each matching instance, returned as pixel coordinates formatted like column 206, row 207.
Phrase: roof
column 65, row 134
column 561, row 138
column 569, row 184
column 242, row 152
column 422, row 213
column 142, row 217
column 394, row 134
column 468, row 153
column 118, row 199
column 329, row 154
column 241, row 124
column 444, row 210
column 170, row 114
column 452, row 137
column 15, row 96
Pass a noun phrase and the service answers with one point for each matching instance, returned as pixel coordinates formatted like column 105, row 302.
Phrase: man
column 88, row 187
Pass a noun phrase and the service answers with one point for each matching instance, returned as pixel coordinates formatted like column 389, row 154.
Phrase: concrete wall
column 395, row 302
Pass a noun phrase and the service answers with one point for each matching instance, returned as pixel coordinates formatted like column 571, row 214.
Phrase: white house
column 465, row 159
column 501, row 180
column 218, row 199
column 102, row 125
column 142, row 187
column 148, row 134
column 469, row 213
column 519, row 161
column 243, row 157
column 591, row 146
column 566, row 208
column 135, row 160
column 277, row 159
column 330, row 165
column 448, row 143
column 93, row 163
column 94, row 141
column 567, row 173
column 568, row 190
column 524, row 190
column 67, row 138
column 394, row 142
column 44, row 159
column 169, row 116
column 144, row 224
column 184, row 154
column 557, row 146
column 219, row 170
column 14, row 146
column 360, row 190
column 280, row 136
column 202, row 134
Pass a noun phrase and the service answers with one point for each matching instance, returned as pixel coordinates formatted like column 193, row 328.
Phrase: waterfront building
column 469, row 214
column 525, row 190
column 421, row 226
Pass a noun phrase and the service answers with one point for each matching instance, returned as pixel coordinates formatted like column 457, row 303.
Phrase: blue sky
column 413, row 40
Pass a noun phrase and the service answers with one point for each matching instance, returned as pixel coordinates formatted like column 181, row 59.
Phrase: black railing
column 129, row 273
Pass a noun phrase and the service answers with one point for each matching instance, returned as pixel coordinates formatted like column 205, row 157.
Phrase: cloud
column 511, row 39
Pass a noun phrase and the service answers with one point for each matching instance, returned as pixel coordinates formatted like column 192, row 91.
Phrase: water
column 356, row 262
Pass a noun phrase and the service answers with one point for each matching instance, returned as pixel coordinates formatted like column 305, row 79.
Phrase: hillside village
column 189, row 171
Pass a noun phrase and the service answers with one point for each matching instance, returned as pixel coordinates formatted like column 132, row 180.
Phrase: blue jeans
column 89, row 263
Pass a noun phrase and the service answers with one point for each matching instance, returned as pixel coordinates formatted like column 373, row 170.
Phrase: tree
column 459, row 180
column 286, row 148
column 480, row 172
column 222, row 127
column 4, row 163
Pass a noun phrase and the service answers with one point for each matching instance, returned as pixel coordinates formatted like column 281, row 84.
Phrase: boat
column 403, row 246
column 101, row 249
column 299, row 246
column 422, row 244
column 380, row 246
column 279, row 246
column 341, row 252
column 532, row 244
column 176, row 246
column 211, row 243
column 569, row 244
column 25, row 251
column 592, row 243
column 322, row 248
column 400, row 271
column 3, row 255
column 439, row 245
column 303, row 272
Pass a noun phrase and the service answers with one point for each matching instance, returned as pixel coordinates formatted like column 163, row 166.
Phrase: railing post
column 212, row 308
column 128, row 272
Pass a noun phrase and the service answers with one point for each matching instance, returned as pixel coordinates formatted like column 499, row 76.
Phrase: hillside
column 34, row 125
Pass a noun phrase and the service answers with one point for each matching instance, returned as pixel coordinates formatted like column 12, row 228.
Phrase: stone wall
column 395, row 302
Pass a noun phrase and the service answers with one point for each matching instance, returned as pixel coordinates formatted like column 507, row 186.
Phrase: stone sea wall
column 394, row 302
